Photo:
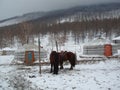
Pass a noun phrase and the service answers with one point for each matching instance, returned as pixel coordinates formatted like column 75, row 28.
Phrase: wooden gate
column 29, row 57
column 108, row 50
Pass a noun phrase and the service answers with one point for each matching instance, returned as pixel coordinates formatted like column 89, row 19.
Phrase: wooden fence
column 115, row 48
column 21, row 55
column 99, row 49
column 7, row 52
column 93, row 50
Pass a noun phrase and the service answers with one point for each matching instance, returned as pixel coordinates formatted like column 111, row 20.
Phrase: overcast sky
column 10, row 8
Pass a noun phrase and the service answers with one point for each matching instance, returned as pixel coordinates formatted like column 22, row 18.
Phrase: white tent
column 20, row 52
column 29, row 47
column 98, row 41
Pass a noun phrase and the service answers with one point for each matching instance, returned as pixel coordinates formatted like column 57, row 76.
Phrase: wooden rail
column 82, row 60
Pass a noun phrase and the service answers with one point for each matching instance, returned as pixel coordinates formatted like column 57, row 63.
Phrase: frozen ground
column 99, row 76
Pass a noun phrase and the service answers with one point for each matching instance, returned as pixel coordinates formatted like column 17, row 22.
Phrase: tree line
column 26, row 31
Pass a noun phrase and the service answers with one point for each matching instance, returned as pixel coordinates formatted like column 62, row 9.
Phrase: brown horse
column 54, row 61
column 64, row 56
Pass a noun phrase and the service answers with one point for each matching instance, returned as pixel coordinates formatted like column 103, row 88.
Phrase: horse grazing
column 64, row 56
column 54, row 61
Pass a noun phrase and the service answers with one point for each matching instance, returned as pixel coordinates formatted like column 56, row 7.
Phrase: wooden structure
column 108, row 50
column 101, row 46
column 93, row 50
column 29, row 57
column 20, row 54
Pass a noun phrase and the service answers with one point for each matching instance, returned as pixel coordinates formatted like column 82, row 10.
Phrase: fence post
column 56, row 46
column 39, row 55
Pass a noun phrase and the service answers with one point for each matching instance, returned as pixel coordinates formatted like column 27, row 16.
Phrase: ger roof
column 116, row 38
column 99, row 41
column 29, row 47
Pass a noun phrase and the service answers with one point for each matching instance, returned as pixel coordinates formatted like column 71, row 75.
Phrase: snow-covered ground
column 94, row 76
column 99, row 76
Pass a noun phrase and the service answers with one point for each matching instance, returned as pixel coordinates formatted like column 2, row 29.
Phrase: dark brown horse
column 54, row 61
column 64, row 56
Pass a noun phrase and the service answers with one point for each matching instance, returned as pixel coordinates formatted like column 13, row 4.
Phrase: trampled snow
column 99, row 76
column 89, row 76
column 6, row 59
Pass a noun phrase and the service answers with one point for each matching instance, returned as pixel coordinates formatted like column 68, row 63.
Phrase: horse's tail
column 74, row 60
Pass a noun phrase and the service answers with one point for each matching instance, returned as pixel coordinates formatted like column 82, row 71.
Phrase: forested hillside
column 83, row 22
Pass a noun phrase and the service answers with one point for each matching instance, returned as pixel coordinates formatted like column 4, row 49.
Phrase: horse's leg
column 55, row 69
column 56, row 65
column 61, row 65
column 71, row 67
column 51, row 68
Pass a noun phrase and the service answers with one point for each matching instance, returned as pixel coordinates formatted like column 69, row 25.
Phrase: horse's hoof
column 61, row 68
column 71, row 69
column 55, row 73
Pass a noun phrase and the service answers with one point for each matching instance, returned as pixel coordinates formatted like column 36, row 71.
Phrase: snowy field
column 99, row 76
column 89, row 76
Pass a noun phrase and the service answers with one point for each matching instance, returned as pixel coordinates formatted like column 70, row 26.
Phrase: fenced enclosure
column 20, row 56
column 99, row 49
column 93, row 50
column 7, row 52
column 115, row 48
